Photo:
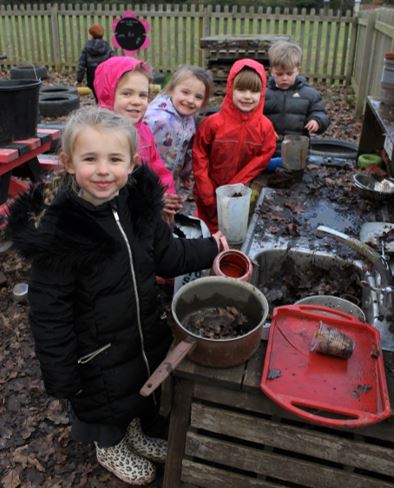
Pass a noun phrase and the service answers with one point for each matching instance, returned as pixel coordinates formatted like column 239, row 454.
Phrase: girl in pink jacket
column 122, row 85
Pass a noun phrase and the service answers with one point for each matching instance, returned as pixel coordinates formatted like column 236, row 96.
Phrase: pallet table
column 225, row 432
column 22, row 158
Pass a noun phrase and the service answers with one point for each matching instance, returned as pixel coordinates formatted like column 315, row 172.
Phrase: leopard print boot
column 126, row 464
column 149, row 447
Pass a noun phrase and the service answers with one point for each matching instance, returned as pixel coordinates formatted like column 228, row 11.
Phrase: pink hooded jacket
column 106, row 80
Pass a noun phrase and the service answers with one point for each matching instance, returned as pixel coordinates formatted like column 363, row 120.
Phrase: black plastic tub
column 19, row 109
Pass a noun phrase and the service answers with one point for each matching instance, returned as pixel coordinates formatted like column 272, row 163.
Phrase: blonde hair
column 100, row 118
column 94, row 117
column 248, row 79
column 79, row 120
column 285, row 54
column 187, row 71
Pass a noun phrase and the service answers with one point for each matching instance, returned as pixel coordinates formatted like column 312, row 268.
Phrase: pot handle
column 224, row 243
column 170, row 362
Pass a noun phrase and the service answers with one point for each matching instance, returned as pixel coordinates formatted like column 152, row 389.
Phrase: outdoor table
column 225, row 432
column 378, row 130
column 23, row 155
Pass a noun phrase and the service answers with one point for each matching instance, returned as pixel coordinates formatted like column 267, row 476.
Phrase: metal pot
column 212, row 291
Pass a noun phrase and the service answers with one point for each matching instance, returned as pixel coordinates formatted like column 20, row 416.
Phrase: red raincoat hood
column 108, row 74
column 227, row 106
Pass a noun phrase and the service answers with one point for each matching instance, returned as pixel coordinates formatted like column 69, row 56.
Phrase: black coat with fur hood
column 94, row 309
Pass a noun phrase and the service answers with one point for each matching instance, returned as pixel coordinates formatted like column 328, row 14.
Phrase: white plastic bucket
column 233, row 203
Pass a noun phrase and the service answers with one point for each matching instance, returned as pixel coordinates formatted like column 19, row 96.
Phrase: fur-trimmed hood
column 69, row 227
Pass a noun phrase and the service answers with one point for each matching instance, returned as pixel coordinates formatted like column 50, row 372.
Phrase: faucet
column 381, row 264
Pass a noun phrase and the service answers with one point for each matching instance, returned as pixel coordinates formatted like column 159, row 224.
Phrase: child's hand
column 312, row 126
column 219, row 238
column 172, row 204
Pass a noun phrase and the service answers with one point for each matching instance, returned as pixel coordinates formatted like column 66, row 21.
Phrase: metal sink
column 269, row 252
column 277, row 270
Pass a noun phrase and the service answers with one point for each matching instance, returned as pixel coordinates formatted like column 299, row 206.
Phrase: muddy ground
column 36, row 449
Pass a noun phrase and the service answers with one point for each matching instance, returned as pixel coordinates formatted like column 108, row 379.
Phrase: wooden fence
column 375, row 36
column 54, row 35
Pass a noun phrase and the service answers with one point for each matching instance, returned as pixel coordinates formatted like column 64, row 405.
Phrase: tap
column 381, row 265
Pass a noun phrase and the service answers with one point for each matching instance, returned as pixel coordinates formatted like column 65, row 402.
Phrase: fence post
column 55, row 37
column 369, row 45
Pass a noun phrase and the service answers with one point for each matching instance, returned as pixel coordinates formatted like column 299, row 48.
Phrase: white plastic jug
column 233, row 203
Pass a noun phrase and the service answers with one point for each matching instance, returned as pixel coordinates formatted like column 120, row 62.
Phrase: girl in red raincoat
column 235, row 144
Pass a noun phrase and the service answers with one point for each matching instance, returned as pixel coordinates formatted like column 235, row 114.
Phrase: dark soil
column 325, row 195
column 36, row 449
column 217, row 323
column 291, row 283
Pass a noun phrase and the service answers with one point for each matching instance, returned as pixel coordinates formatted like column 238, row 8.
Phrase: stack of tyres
column 58, row 100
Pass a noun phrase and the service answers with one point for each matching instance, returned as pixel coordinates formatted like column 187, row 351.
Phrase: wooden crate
column 235, row 437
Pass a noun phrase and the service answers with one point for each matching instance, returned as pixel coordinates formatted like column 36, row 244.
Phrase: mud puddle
column 291, row 282
column 324, row 196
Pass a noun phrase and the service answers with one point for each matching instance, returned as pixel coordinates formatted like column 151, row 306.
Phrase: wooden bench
column 224, row 432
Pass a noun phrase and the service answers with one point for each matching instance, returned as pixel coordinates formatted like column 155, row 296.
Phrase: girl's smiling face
column 246, row 100
column 132, row 95
column 101, row 162
column 188, row 95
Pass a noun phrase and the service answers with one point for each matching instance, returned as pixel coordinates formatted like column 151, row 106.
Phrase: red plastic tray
column 319, row 388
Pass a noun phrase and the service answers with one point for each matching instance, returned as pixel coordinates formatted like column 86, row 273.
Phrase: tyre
column 57, row 90
column 28, row 72
column 334, row 148
column 56, row 106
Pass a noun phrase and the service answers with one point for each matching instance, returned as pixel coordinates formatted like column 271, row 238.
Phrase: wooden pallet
column 238, row 438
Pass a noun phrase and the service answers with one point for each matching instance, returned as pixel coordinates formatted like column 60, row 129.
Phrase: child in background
column 122, row 85
column 95, row 52
column 290, row 103
column 235, row 144
column 96, row 241
column 171, row 118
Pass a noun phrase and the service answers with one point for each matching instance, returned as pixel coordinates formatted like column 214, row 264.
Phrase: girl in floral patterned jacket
column 171, row 118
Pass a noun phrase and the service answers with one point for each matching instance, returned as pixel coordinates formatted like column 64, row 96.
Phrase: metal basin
column 282, row 275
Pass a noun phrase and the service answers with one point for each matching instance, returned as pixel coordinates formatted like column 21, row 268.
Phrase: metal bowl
column 336, row 303
column 366, row 185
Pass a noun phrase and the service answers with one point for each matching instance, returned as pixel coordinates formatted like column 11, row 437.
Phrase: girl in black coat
column 95, row 247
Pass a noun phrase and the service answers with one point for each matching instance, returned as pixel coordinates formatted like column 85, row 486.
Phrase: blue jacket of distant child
column 173, row 134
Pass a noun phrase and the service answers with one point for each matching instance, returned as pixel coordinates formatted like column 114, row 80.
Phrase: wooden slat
column 336, row 28
column 203, row 475
column 178, row 424
column 274, row 465
column 259, row 403
column 334, row 448
column 227, row 376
